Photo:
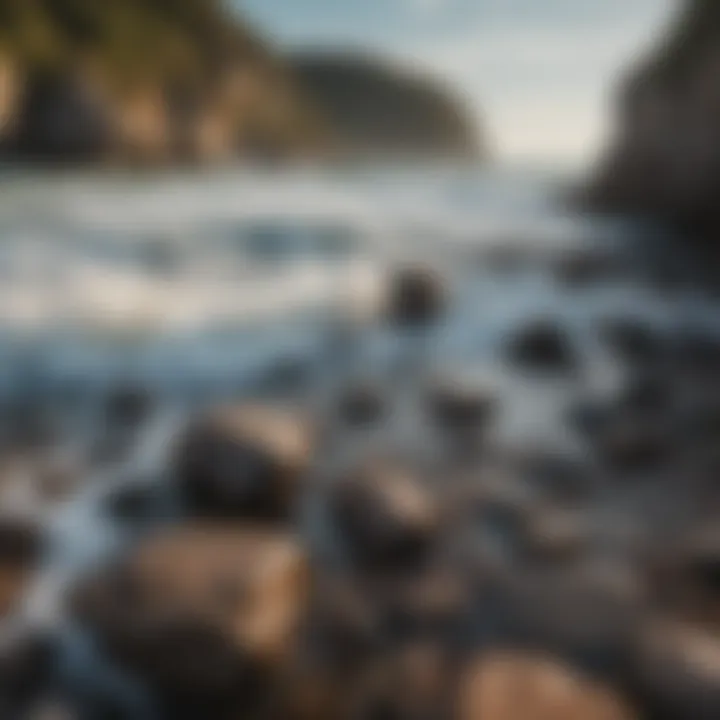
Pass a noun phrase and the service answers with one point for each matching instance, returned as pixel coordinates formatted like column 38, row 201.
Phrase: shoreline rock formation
column 664, row 162
column 185, row 81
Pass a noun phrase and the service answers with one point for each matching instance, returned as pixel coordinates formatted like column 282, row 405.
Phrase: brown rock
column 385, row 516
column 20, row 550
column 243, row 461
column 201, row 611
column 516, row 686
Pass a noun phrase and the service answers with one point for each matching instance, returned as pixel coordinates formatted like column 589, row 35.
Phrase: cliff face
column 373, row 109
column 665, row 160
column 141, row 81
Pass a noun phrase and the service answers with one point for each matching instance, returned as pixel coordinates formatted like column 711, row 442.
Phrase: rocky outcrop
column 142, row 83
column 665, row 159
column 375, row 109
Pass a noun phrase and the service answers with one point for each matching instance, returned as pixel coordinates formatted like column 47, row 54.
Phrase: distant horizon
column 539, row 81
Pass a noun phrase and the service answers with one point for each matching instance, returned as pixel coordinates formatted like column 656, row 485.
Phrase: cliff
column 375, row 109
column 142, row 81
column 665, row 158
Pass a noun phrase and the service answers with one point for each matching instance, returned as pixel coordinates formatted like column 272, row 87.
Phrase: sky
column 537, row 75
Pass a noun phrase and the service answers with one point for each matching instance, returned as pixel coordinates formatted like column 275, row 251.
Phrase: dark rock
column 543, row 346
column 376, row 109
column 244, row 461
column 677, row 671
column 134, row 502
column 128, row 405
column 201, row 613
column 585, row 267
column 27, row 660
column 416, row 298
column 385, row 516
column 685, row 576
column 362, row 404
column 526, row 686
column 460, row 406
column 21, row 546
column 632, row 340
column 636, row 445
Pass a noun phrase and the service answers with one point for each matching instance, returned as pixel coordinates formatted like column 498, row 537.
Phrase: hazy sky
column 538, row 73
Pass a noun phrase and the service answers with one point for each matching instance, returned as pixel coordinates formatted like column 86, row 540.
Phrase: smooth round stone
column 244, row 461
column 542, row 346
column 416, row 297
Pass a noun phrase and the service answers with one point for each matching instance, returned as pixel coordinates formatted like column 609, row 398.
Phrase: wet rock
column 632, row 340
column 134, row 502
column 555, row 535
column 685, row 575
column 562, row 478
column 414, row 683
column 362, row 404
column 244, row 461
column 521, row 686
column 21, row 545
column 201, row 613
column 581, row 268
column 578, row 619
column 416, row 297
column 385, row 516
column 697, row 352
column 542, row 346
column 677, row 673
column 27, row 659
column 636, row 444
column 460, row 405
column 128, row 405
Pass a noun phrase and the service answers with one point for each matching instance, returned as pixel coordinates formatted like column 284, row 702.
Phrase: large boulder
column 243, row 461
column 201, row 613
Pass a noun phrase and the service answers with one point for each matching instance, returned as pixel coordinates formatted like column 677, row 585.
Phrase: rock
column 556, row 536
column 27, row 660
column 414, row 683
column 377, row 109
column 385, row 517
column 416, row 297
column 677, row 672
column 461, row 406
column 585, row 267
column 521, row 686
column 542, row 346
column 201, row 612
column 134, row 503
column 636, row 444
column 663, row 161
column 632, row 340
column 362, row 404
column 685, row 576
column 128, row 406
column 244, row 461
column 21, row 546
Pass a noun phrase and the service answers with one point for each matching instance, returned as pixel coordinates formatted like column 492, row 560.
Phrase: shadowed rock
column 243, row 461
column 21, row 545
column 201, row 613
column 416, row 297
column 385, row 516
column 542, row 346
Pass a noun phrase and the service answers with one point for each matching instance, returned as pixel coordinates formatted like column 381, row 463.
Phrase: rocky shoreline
column 379, row 550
